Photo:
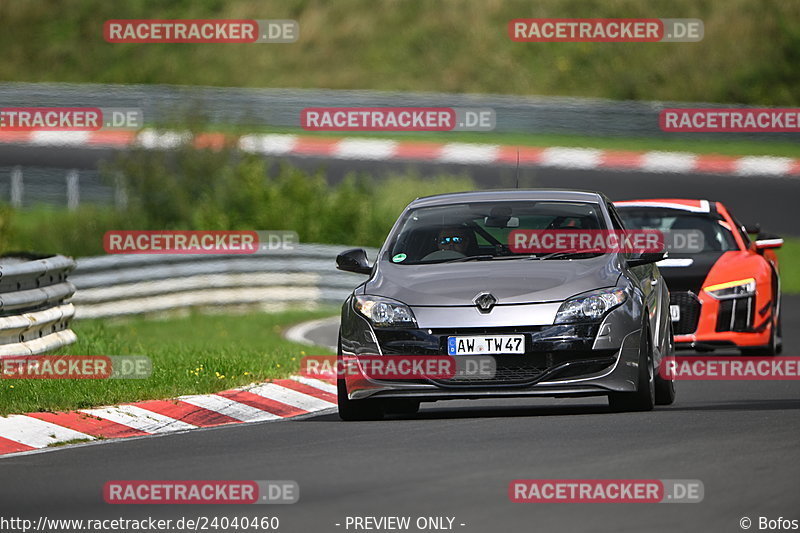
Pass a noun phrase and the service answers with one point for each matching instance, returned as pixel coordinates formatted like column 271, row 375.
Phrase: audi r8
column 724, row 294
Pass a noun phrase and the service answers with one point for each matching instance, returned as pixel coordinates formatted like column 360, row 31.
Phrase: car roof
column 694, row 206
column 510, row 194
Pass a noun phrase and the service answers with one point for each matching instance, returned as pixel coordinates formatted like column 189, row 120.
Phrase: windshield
column 716, row 233
column 480, row 231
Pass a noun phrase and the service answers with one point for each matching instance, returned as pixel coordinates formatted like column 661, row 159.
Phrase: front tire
column 644, row 398
column 354, row 410
column 772, row 349
column 665, row 388
column 775, row 345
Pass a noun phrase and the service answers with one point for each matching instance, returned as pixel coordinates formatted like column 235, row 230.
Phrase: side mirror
column 646, row 258
column 767, row 241
column 354, row 260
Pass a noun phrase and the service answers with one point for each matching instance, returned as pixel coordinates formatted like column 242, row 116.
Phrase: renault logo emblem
column 485, row 302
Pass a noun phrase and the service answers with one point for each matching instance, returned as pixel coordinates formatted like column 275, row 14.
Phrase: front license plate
column 675, row 312
column 486, row 345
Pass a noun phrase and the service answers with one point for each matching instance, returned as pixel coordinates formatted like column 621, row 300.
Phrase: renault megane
column 448, row 282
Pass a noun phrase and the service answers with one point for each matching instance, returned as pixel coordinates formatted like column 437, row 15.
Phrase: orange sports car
column 725, row 291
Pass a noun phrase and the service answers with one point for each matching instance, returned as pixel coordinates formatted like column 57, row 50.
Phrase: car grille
column 510, row 369
column 545, row 348
column 690, row 312
column 736, row 314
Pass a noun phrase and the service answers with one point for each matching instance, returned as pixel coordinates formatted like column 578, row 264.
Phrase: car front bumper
column 559, row 360
column 707, row 323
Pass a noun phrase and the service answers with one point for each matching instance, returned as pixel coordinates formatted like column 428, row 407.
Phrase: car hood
column 690, row 272
column 687, row 272
column 515, row 281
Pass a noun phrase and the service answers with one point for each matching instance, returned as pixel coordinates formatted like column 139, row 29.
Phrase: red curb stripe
column 112, row 138
column 214, row 141
column 11, row 446
column 621, row 159
column 529, row 155
column 178, row 410
column 315, row 146
column 186, row 412
column 260, row 402
column 715, row 163
column 417, row 150
column 88, row 424
column 307, row 389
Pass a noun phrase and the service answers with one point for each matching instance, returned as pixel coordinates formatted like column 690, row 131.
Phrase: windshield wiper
column 565, row 253
column 471, row 258
column 488, row 257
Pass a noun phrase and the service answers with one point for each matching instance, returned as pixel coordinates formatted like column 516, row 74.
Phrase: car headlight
column 384, row 311
column 591, row 306
column 732, row 289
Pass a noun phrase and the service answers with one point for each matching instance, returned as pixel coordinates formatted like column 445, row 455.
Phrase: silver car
column 448, row 283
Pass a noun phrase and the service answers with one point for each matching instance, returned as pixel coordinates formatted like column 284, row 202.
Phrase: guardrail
column 117, row 285
column 282, row 107
column 34, row 312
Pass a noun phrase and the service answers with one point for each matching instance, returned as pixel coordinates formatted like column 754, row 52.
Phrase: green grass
column 198, row 354
column 749, row 53
column 789, row 261
column 79, row 232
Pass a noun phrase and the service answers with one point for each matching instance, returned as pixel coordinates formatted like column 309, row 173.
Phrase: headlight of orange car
column 732, row 289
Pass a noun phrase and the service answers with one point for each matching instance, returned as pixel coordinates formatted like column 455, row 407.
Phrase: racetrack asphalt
column 457, row 459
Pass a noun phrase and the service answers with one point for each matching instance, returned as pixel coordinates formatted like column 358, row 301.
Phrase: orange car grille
column 736, row 314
